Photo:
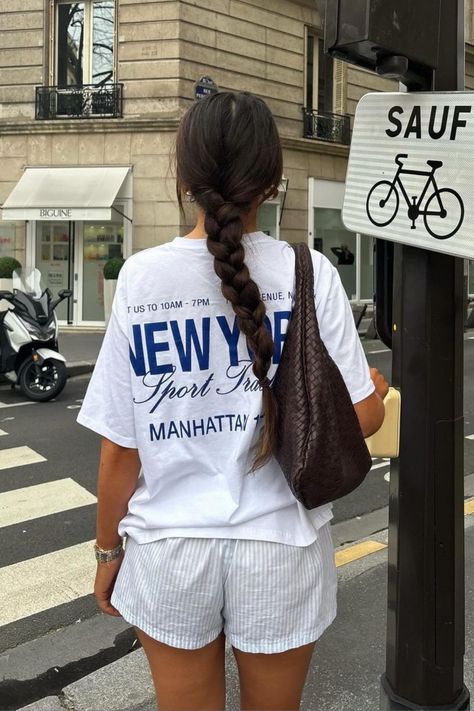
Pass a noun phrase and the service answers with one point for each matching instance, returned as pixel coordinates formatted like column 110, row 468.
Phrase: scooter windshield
column 28, row 281
column 30, row 297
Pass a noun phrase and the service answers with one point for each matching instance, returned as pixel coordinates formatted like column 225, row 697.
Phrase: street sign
column 205, row 86
column 410, row 173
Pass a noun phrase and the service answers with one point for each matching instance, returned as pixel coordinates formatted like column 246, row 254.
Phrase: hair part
column 228, row 154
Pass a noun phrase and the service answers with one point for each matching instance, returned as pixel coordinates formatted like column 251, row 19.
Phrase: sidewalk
column 346, row 665
column 80, row 348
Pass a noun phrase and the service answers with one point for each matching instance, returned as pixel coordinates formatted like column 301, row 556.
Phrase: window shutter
column 339, row 87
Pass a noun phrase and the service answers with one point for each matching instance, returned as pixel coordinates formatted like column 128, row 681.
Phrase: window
column 324, row 93
column 319, row 75
column 83, row 63
column 85, row 43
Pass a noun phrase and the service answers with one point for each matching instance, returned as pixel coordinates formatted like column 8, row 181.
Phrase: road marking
column 360, row 550
column 18, row 457
column 37, row 584
column 383, row 350
column 74, row 407
column 470, row 436
column 379, row 466
column 16, row 404
column 469, row 507
column 42, row 500
column 387, row 476
column 3, row 433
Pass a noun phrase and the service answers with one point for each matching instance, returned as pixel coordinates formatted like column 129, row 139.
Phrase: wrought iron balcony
column 325, row 126
column 81, row 102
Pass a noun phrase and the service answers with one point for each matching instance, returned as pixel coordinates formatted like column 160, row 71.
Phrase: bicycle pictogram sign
column 443, row 210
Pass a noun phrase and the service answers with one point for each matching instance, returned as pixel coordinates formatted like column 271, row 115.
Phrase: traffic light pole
column 425, row 616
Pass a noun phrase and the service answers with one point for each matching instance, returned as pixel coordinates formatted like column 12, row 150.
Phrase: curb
column 80, row 367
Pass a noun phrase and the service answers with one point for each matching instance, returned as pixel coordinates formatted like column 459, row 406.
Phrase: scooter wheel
column 42, row 382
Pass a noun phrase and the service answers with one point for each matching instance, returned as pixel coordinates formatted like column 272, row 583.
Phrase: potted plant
column 111, row 271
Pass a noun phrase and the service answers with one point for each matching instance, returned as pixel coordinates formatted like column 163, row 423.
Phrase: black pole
column 425, row 617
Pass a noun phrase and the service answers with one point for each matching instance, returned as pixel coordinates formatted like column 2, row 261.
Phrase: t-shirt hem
column 362, row 393
column 243, row 532
column 104, row 431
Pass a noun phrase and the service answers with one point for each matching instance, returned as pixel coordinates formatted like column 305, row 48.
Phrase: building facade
column 91, row 94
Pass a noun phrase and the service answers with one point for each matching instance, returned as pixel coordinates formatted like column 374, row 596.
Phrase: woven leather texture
column 320, row 446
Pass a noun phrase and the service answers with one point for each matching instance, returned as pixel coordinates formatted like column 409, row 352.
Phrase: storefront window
column 267, row 219
column 102, row 241
column 366, row 267
column 339, row 245
column 53, row 259
column 471, row 278
column 7, row 239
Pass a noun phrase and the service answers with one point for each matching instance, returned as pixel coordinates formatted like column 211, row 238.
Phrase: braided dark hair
column 228, row 154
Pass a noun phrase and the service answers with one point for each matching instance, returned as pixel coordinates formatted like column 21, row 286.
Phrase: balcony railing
column 80, row 102
column 325, row 126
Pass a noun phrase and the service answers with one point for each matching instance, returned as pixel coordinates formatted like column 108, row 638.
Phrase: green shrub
column 112, row 267
column 8, row 266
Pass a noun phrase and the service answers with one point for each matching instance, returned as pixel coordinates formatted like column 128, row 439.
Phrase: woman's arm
column 371, row 410
column 119, row 468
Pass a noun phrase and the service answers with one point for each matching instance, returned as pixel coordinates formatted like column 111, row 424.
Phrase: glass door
column 99, row 242
column 54, row 259
column 339, row 245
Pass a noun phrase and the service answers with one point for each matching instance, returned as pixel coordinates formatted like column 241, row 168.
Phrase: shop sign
column 409, row 176
column 58, row 213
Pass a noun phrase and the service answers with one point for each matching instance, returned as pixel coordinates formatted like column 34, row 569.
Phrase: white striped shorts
column 267, row 597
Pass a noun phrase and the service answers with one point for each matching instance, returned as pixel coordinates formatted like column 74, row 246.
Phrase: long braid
column 236, row 157
column 223, row 225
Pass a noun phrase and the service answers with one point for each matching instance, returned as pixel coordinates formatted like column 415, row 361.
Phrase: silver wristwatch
column 103, row 556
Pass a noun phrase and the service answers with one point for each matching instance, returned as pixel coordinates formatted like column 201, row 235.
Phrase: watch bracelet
column 106, row 556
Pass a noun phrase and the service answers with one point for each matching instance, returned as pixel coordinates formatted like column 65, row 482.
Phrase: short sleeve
column 338, row 330
column 108, row 404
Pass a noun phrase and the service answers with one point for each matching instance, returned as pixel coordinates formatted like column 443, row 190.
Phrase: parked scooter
column 29, row 355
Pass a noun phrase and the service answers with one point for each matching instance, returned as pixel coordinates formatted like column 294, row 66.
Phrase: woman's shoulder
column 323, row 268
column 146, row 258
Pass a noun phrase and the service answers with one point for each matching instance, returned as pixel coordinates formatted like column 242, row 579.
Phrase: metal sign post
column 425, row 616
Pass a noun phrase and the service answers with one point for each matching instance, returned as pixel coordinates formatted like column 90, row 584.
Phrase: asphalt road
column 70, row 455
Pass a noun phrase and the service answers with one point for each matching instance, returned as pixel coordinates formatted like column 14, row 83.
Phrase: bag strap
column 304, row 284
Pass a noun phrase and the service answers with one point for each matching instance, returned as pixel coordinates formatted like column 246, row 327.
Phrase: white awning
column 65, row 193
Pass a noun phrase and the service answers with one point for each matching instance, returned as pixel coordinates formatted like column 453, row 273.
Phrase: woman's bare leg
column 273, row 682
column 187, row 679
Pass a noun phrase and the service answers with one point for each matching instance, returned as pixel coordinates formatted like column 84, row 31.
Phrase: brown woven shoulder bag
column 320, row 446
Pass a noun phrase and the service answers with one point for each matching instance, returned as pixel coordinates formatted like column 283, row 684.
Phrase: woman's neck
column 249, row 222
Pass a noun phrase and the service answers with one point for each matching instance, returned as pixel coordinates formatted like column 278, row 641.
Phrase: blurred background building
column 91, row 94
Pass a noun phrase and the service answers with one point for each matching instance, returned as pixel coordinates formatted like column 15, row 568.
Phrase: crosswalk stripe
column 49, row 580
column 470, row 436
column 3, row 433
column 42, row 500
column 379, row 466
column 18, row 457
column 4, row 405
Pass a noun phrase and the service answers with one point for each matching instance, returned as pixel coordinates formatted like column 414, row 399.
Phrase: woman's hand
column 104, row 585
column 381, row 385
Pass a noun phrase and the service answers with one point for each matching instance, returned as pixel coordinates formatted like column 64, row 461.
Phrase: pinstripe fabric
column 268, row 597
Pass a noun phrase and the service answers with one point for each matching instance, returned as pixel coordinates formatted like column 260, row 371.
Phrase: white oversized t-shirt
column 174, row 379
